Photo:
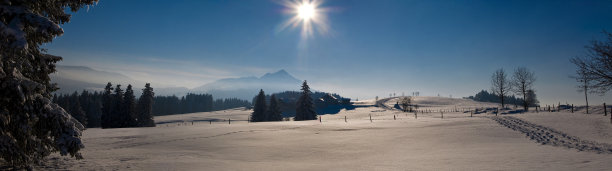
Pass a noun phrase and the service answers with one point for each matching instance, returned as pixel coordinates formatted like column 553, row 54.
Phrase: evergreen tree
column 117, row 110
column 259, row 111
column 91, row 104
column 128, row 115
column 274, row 113
column 75, row 109
column 31, row 126
column 107, row 106
column 532, row 99
column 145, row 106
column 305, row 108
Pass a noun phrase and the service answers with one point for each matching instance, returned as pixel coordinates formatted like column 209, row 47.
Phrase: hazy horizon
column 371, row 48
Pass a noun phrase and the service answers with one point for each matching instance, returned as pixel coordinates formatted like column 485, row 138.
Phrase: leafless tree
column 500, row 85
column 522, row 81
column 585, row 84
column 596, row 65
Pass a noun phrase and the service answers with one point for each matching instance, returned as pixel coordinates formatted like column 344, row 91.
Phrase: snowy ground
column 429, row 142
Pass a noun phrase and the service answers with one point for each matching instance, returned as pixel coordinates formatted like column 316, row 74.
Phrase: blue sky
column 372, row 48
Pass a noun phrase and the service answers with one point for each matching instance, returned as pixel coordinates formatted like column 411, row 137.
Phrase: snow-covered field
column 429, row 142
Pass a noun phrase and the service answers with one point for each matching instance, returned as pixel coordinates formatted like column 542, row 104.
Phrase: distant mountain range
column 78, row 78
column 247, row 87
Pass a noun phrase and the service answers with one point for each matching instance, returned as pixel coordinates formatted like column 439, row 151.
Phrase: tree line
column 521, row 83
column 305, row 109
column 190, row 103
column 120, row 109
column 168, row 105
column 324, row 103
column 112, row 108
column 87, row 107
column 485, row 96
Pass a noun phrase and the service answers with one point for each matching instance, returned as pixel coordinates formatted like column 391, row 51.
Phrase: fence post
column 471, row 113
column 605, row 110
column 344, row 118
column 572, row 108
column 320, row 118
column 393, row 117
column 370, row 117
column 229, row 121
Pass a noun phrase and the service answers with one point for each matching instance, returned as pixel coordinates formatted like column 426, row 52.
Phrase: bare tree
column 406, row 103
column 596, row 65
column 522, row 81
column 500, row 85
column 585, row 81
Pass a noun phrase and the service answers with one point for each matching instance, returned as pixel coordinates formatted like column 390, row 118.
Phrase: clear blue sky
column 372, row 48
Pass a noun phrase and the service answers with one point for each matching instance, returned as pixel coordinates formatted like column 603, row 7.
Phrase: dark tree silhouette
column 91, row 104
column 128, row 115
column 75, row 109
column 485, row 96
column 522, row 81
column 259, row 110
column 31, row 126
column 274, row 112
column 500, row 85
column 107, row 106
column 169, row 105
column 145, row 107
column 230, row 103
column 531, row 98
column 117, row 109
column 595, row 68
column 305, row 107
column 585, row 80
column 406, row 103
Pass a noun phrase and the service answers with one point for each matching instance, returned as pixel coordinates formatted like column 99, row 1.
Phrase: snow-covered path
column 457, row 142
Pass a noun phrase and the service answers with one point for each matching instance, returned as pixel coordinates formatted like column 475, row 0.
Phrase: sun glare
column 306, row 11
column 306, row 14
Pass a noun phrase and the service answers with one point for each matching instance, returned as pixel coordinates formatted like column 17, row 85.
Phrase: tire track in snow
column 549, row 136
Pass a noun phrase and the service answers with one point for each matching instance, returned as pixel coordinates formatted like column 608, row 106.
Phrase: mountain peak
column 282, row 71
column 278, row 74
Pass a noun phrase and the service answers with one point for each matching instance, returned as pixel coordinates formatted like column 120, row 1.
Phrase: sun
column 306, row 14
column 306, row 11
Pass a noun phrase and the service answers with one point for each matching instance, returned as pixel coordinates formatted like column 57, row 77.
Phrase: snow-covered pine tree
column 274, row 113
column 76, row 111
column 107, row 105
column 31, row 126
column 128, row 117
column 259, row 110
column 305, row 107
column 145, row 107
